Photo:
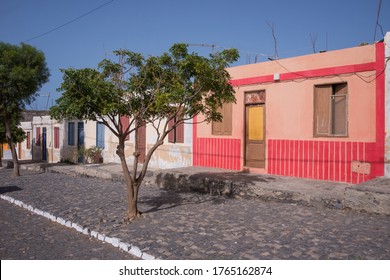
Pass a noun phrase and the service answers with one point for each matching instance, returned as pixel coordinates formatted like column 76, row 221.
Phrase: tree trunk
column 15, row 160
column 131, row 186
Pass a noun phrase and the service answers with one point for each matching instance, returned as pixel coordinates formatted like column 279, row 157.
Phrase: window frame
column 331, row 111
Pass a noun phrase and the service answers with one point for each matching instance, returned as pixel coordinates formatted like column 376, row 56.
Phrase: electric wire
column 377, row 20
column 69, row 22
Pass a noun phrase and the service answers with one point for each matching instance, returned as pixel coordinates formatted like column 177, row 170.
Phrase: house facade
column 319, row 116
column 322, row 116
column 175, row 152
column 47, row 139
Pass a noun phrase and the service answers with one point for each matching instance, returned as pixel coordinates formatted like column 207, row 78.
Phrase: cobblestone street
column 178, row 225
column 24, row 235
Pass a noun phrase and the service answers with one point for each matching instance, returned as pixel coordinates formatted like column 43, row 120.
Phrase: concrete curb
column 113, row 241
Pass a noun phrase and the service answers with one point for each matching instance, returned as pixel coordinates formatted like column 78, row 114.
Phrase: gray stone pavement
column 191, row 225
column 24, row 235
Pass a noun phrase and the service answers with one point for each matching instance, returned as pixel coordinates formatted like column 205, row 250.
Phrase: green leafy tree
column 173, row 87
column 17, row 134
column 23, row 71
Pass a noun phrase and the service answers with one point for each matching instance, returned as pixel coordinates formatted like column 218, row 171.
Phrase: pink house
column 319, row 116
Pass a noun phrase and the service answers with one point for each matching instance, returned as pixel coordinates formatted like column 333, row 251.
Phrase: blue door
column 80, row 141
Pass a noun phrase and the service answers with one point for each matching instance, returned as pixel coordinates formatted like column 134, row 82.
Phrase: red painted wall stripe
column 313, row 73
column 322, row 160
column 217, row 153
column 328, row 71
column 252, row 80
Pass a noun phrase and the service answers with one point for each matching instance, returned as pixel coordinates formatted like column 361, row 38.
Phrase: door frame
column 255, row 98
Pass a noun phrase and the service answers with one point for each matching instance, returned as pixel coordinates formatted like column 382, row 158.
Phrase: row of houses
column 323, row 116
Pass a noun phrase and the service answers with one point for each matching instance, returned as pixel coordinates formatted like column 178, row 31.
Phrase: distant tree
column 17, row 134
column 156, row 90
column 23, row 71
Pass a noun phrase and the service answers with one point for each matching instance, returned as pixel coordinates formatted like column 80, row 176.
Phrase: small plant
column 67, row 161
column 93, row 155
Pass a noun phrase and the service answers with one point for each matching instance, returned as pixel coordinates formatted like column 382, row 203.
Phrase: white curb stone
column 18, row 203
column 77, row 227
column 101, row 237
column 38, row 212
column 46, row 215
column 146, row 256
column 112, row 240
column 124, row 246
column 94, row 234
column 61, row 221
column 135, row 251
column 53, row 218
column 116, row 242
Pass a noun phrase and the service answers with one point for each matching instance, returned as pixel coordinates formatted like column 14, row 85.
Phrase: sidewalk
column 178, row 222
column 372, row 196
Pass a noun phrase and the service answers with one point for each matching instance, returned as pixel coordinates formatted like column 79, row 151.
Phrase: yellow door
column 255, row 136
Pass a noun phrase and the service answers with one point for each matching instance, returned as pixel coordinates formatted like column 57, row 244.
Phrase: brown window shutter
column 56, row 137
column 38, row 136
column 227, row 118
column 339, row 109
column 322, row 99
column 171, row 134
column 225, row 126
column 125, row 121
column 28, row 140
column 217, row 127
column 180, row 133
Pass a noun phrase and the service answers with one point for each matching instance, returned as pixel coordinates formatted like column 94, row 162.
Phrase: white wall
column 168, row 155
column 52, row 154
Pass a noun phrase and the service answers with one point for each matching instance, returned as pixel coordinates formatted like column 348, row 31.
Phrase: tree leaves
column 176, row 83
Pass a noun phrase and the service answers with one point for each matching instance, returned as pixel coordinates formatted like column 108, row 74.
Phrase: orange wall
column 291, row 147
column 289, row 104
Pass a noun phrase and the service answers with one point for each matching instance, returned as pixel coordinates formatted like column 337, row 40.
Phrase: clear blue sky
column 151, row 27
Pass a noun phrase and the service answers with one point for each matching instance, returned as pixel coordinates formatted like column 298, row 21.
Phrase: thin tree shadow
column 170, row 199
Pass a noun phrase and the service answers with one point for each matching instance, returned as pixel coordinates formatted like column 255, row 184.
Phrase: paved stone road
column 24, row 235
column 192, row 226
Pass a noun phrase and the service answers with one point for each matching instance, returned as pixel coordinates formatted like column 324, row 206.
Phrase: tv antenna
column 48, row 97
column 212, row 46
